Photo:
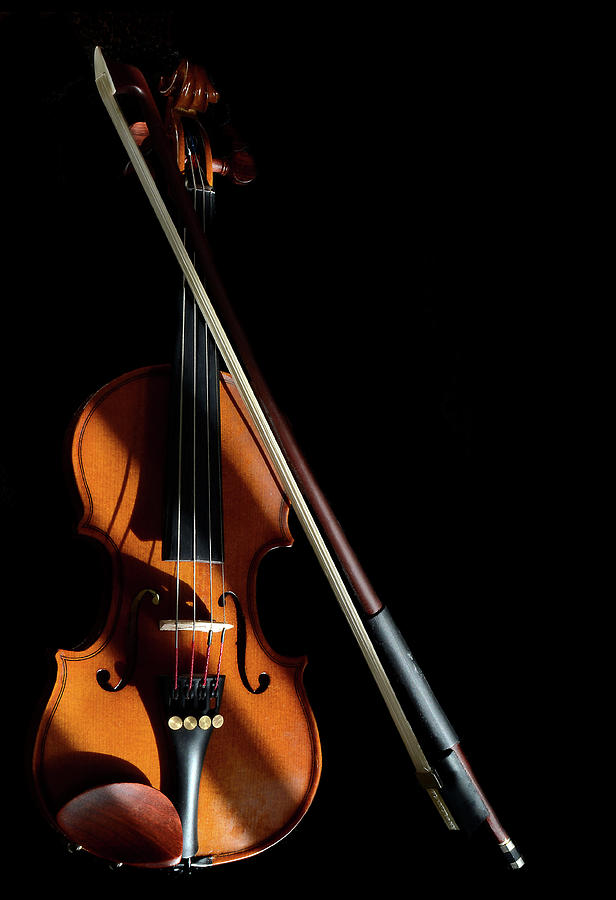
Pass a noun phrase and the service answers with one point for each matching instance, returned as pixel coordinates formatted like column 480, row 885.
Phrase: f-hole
column 264, row 678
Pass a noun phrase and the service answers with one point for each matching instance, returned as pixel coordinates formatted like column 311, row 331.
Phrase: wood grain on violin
column 263, row 760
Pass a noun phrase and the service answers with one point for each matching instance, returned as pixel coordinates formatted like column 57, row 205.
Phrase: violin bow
column 441, row 768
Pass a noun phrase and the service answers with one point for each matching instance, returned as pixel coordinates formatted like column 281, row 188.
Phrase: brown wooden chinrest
column 127, row 823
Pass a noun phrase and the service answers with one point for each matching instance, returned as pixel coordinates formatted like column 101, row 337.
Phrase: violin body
column 105, row 723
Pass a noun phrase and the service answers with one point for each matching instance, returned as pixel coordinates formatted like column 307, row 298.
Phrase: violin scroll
column 191, row 87
column 189, row 93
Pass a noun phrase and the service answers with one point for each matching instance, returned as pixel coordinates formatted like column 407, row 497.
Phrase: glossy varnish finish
column 262, row 766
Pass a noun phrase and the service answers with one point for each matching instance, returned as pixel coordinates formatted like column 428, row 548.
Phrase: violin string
column 206, row 196
column 179, row 481
column 209, row 466
column 194, row 467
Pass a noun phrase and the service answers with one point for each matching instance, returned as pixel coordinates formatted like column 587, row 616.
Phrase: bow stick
column 448, row 781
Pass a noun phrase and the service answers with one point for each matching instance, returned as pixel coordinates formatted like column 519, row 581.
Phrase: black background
column 398, row 268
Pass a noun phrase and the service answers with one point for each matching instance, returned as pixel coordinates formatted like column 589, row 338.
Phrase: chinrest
column 127, row 823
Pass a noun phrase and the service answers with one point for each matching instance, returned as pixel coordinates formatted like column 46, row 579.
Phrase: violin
column 179, row 738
